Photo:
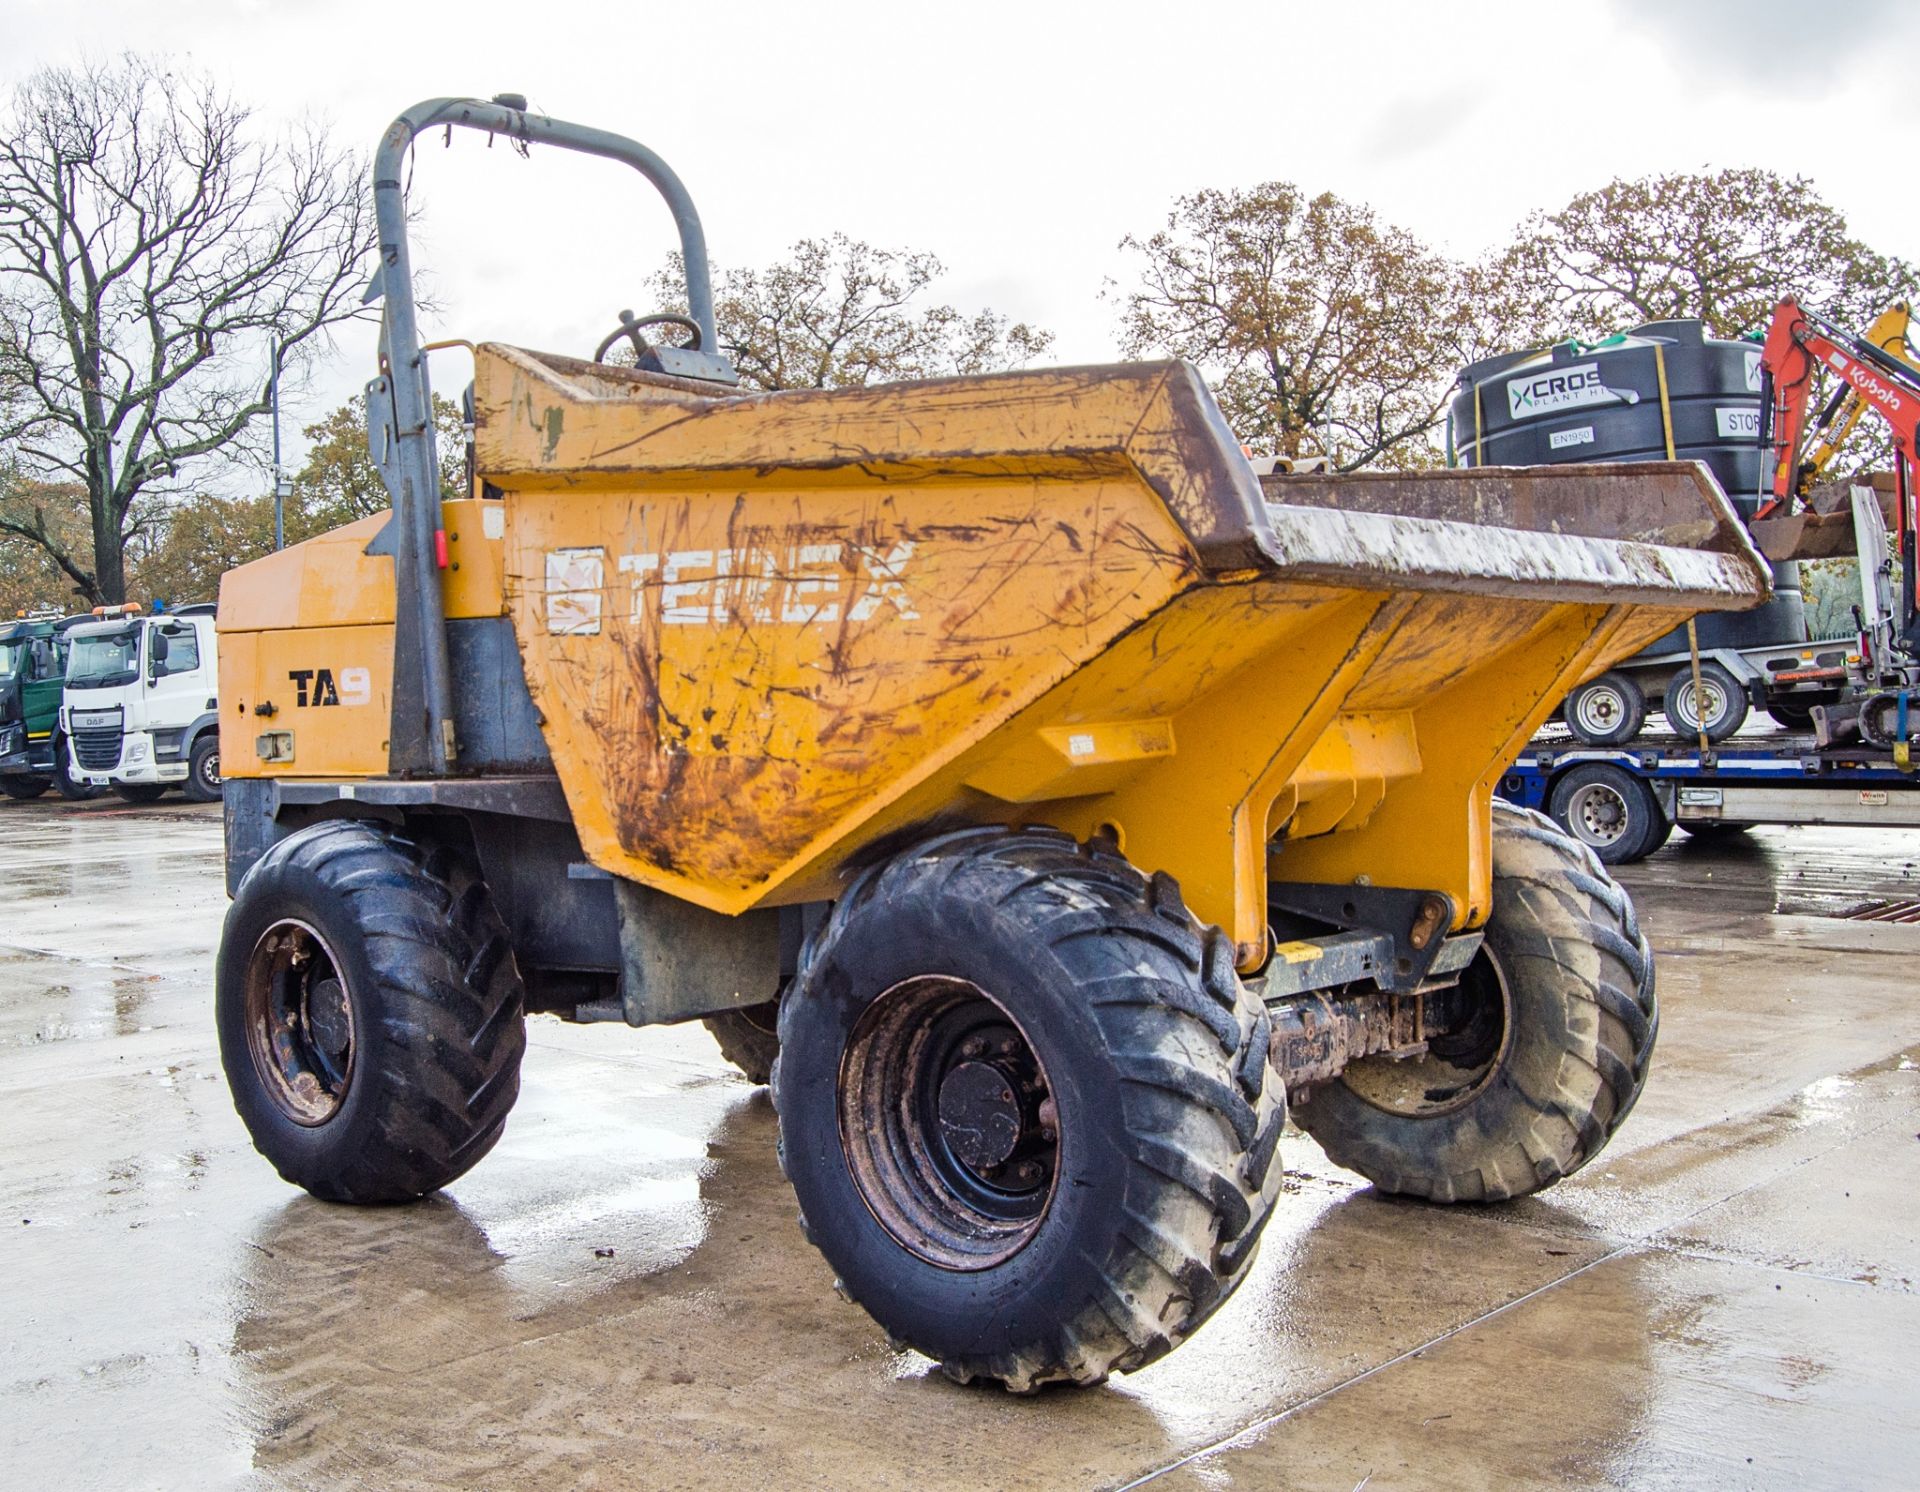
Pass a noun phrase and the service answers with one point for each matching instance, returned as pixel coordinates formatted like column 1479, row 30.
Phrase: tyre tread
column 1558, row 1131
column 450, row 1005
column 1186, row 1049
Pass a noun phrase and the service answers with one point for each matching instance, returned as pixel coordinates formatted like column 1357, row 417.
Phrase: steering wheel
column 630, row 326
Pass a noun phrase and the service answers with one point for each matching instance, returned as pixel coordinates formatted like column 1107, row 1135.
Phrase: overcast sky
column 1020, row 142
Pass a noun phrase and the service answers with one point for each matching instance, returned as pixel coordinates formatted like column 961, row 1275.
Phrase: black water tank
column 1602, row 402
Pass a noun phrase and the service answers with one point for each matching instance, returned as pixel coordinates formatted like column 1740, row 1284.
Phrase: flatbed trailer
column 1625, row 800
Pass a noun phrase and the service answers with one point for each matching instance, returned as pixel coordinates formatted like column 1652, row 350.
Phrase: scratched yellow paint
column 764, row 632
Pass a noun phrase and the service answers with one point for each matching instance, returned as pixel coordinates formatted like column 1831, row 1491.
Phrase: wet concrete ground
column 1727, row 1298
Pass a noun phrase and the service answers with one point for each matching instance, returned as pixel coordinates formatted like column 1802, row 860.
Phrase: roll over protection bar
column 421, row 741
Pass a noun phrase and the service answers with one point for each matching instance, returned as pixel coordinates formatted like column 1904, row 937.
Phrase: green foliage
column 339, row 481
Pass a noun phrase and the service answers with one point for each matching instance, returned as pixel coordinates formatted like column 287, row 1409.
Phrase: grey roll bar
column 421, row 739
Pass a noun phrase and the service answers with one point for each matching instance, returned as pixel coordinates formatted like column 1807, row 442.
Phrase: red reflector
column 440, row 547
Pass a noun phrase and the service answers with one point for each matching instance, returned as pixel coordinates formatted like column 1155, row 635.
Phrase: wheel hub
column 327, row 1018
column 948, row 1123
column 1602, row 708
column 1600, row 814
column 979, row 1115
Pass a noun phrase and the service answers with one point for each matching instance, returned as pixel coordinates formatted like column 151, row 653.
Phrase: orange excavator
column 1804, row 354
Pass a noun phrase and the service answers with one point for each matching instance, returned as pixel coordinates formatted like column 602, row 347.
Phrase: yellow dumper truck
column 1040, row 796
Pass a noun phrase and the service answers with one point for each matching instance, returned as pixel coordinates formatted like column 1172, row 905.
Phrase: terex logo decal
column 796, row 584
column 318, row 686
column 1562, row 388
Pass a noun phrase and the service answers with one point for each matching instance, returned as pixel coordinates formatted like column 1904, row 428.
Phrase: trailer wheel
column 1550, row 1060
column 21, row 787
column 1724, row 704
column 369, row 1012
column 1610, row 811
column 748, row 1038
column 74, row 788
column 1606, row 711
column 203, row 770
column 1027, row 1107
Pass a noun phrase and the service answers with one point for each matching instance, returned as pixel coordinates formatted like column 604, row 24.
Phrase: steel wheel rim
column 210, row 769
column 1599, row 814
column 1712, row 695
column 1457, row 1067
column 300, row 1023
column 1600, row 708
column 948, row 1124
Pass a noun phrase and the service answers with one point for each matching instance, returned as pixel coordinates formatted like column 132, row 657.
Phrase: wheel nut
column 973, row 1046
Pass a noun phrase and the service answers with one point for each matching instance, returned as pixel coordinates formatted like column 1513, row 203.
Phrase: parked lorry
column 1073, row 797
column 1624, row 802
column 141, row 703
column 34, row 750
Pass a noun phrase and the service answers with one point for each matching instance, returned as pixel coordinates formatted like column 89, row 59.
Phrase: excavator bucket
column 766, row 633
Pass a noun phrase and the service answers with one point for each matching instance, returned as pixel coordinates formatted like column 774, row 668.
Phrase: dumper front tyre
column 1027, row 1107
column 370, row 1013
column 1558, row 1026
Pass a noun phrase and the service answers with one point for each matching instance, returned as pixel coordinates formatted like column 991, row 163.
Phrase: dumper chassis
column 895, row 714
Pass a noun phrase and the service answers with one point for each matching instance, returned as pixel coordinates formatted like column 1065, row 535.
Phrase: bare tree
column 1321, row 330
column 152, row 243
column 839, row 313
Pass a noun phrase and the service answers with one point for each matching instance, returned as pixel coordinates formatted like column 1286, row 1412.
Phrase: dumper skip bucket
column 766, row 632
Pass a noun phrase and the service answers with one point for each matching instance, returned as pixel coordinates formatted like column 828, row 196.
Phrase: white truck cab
column 141, row 702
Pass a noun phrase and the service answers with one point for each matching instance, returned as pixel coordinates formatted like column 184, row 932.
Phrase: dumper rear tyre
column 1512, row 1102
column 748, row 1038
column 1027, row 1107
column 370, row 1013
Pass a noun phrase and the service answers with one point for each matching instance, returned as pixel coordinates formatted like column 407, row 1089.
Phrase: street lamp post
column 282, row 488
